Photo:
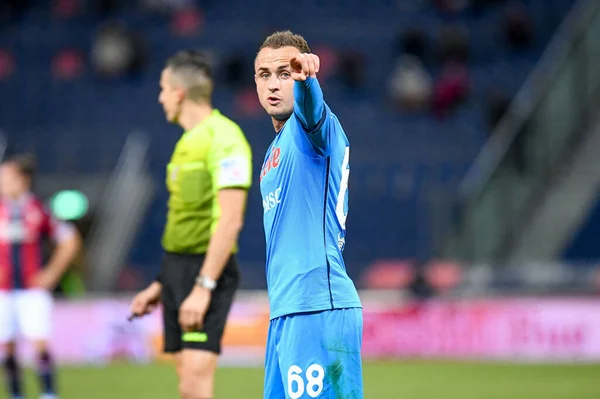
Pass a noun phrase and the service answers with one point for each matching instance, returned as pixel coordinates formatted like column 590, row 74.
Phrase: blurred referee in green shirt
column 208, row 178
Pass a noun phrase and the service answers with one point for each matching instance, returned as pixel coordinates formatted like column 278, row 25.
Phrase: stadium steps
column 564, row 208
column 535, row 180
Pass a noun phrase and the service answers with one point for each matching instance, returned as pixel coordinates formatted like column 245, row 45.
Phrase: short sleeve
column 57, row 230
column 230, row 160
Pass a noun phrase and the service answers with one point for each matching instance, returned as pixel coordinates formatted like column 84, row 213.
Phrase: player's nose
column 273, row 84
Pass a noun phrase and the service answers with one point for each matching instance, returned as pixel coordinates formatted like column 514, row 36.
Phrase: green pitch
column 383, row 380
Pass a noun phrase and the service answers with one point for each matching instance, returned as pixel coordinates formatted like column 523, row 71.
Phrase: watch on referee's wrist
column 206, row 282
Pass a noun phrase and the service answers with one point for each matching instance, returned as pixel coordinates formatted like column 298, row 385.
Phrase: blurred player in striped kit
column 26, row 281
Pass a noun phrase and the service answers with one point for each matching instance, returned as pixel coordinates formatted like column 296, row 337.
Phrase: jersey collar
column 215, row 113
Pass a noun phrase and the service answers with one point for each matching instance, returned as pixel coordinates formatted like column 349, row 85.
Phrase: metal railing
column 120, row 210
column 544, row 121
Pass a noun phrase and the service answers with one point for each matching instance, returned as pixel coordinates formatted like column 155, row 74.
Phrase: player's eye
column 264, row 75
column 284, row 74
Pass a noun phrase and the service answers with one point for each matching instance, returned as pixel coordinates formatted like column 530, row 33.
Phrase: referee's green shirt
column 212, row 156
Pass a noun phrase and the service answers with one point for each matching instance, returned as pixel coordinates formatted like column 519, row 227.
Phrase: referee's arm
column 232, row 202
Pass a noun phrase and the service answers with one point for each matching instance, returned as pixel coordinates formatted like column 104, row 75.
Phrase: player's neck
column 278, row 125
column 193, row 114
column 17, row 197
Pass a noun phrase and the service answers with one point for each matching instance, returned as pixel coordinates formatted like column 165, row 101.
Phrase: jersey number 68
column 314, row 381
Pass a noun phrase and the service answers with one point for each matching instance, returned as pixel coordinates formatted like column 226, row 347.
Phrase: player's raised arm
column 309, row 105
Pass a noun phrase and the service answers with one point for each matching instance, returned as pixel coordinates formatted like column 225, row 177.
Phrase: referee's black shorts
column 178, row 274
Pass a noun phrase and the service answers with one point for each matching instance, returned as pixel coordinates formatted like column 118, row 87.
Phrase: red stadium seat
column 7, row 65
column 67, row 64
column 187, row 22
column 329, row 61
column 443, row 276
column 247, row 104
column 66, row 8
column 389, row 274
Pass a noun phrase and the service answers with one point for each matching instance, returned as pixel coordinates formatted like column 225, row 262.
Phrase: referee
column 207, row 178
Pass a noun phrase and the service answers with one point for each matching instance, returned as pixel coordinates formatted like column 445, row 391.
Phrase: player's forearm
column 220, row 247
column 308, row 102
column 154, row 289
column 63, row 256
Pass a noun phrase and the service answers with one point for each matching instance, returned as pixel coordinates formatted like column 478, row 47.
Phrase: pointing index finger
column 305, row 65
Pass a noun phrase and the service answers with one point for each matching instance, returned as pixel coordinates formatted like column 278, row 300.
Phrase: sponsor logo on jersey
column 271, row 163
column 272, row 199
column 13, row 231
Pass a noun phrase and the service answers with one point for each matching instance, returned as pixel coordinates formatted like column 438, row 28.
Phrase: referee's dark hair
column 192, row 70
column 25, row 163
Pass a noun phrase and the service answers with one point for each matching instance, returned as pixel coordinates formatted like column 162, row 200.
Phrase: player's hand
column 45, row 280
column 304, row 65
column 147, row 300
column 193, row 309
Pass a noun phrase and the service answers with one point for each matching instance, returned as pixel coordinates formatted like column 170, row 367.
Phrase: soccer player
column 315, row 332
column 207, row 179
column 25, row 282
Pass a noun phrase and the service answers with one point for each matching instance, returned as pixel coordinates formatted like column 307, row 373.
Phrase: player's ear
column 180, row 93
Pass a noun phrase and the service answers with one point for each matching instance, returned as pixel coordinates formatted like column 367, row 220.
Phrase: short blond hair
column 285, row 39
column 193, row 71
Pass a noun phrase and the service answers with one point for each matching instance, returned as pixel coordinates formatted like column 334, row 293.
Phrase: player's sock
column 13, row 376
column 46, row 373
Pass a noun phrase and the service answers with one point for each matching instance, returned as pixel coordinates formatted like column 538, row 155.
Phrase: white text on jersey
column 271, row 200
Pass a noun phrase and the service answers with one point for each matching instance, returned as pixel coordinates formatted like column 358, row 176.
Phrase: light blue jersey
column 304, row 187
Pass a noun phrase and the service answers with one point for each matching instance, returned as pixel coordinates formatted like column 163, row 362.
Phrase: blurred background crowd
column 448, row 182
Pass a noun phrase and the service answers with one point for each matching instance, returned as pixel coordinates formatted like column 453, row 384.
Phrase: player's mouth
column 273, row 100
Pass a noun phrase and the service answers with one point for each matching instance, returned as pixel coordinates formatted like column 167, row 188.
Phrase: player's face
column 170, row 96
column 274, row 83
column 12, row 183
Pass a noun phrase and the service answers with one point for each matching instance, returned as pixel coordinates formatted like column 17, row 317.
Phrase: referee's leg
column 197, row 370
column 197, row 359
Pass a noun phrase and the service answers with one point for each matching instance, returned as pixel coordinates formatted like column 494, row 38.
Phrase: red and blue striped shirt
column 24, row 225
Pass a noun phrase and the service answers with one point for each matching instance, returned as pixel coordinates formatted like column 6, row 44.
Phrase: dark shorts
column 178, row 274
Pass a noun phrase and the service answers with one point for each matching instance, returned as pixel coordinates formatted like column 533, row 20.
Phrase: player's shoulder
column 332, row 118
column 331, row 124
column 37, row 208
column 225, row 125
column 335, row 125
column 225, row 130
column 227, row 133
column 35, row 202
